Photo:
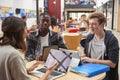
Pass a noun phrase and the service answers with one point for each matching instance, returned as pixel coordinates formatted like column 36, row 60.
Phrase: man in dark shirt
column 42, row 37
column 101, row 46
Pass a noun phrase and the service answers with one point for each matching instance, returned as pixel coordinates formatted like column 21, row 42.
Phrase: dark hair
column 100, row 16
column 13, row 30
column 83, row 15
column 53, row 21
column 23, row 17
column 44, row 16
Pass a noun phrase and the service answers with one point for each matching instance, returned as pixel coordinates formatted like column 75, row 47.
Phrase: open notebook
column 63, row 58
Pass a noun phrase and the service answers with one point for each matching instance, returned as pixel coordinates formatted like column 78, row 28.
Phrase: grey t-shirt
column 97, row 48
column 12, row 66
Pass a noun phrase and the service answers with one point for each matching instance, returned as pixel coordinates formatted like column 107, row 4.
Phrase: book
column 90, row 69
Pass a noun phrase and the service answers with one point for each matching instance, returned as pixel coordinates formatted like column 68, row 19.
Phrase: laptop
column 63, row 59
column 76, row 59
column 46, row 51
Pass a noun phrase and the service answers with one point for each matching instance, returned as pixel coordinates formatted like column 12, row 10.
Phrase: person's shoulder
column 90, row 35
column 109, row 33
column 53, row 33
column 110, row 36
column 33, row 34
column 11, row 51
column 9, row 48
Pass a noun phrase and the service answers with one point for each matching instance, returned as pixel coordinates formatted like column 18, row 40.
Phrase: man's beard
column 44, row 32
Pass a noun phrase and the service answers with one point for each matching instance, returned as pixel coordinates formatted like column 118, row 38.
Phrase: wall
column 100, row 2
column 116, row 7
column 117, row 15
column 54, row 9
column 25, row 4
column 28, row 4
column 62, row 9
column 0, row 29
column 118, row 27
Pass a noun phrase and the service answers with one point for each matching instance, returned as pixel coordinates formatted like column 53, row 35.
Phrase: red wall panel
column 54, row 9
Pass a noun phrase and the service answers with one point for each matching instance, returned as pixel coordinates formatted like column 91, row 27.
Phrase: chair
column 72, row 41
column 82, row 42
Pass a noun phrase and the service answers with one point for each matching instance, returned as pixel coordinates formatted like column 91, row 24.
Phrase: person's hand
column 82, row 55
column 49, row 71
column 51, row 68
column 35, row 65
column 39, row 57
column 87, row 59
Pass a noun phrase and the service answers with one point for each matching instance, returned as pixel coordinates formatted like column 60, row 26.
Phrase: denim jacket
column 34, row 44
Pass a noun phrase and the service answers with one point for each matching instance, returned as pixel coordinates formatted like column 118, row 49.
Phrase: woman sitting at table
column 54, row 25
column 12, row 66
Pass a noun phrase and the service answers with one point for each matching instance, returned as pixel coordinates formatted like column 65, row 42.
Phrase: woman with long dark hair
column 12, row 66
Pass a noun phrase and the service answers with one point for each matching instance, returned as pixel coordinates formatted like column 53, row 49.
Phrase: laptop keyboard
column 54, row 73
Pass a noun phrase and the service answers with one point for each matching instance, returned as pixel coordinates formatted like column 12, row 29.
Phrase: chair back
column 72, row 41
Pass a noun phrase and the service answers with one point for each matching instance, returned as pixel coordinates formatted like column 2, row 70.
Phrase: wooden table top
column 69, row 76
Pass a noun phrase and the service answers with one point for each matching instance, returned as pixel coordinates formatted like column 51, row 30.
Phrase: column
column 118, row 21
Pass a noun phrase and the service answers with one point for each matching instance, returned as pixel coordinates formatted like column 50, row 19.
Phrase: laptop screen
column 46, row 51
column 63, row 59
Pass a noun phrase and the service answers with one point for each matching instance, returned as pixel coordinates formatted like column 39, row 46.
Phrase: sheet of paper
column 74, row 62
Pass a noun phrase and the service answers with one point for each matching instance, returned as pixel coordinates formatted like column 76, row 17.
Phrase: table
column 83, row 34
column 69, row 76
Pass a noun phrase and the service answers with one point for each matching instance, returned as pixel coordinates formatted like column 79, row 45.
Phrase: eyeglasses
column 93, row 24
